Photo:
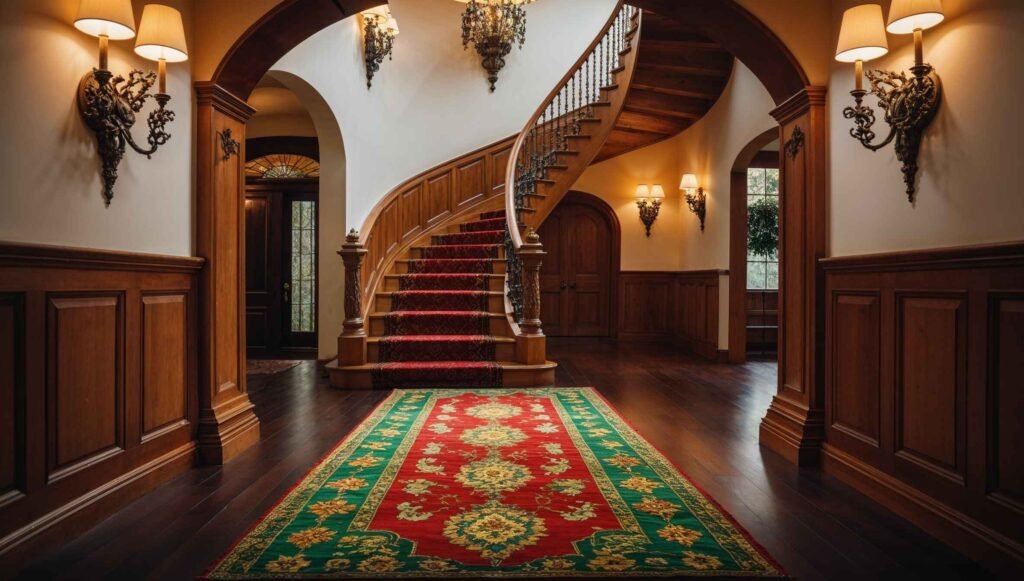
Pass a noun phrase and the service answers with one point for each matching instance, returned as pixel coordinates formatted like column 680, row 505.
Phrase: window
column 303, row 267
column 282, row 166
column 762, row 271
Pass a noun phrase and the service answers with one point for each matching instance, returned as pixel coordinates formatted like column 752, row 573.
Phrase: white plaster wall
column 432, row 102
column 52, row 192
column 971, row 177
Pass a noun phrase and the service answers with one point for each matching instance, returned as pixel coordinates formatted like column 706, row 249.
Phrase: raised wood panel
column 931, row 343
column 429, row 201
column 97, row 350
column 257, row 327
column 944, row 329
column 411, row 204
column 12, row 394
column 677, row 306
column 499, row 162
column 470, row 182
column 856, row 366
column 165, row 362
column 439, row 193
column 84, row 372
column 1006, row 401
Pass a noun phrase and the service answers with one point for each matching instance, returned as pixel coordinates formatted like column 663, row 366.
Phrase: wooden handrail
column 517, row 148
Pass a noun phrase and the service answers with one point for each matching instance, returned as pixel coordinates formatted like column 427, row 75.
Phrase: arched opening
column 793, row 424
column 738, row 244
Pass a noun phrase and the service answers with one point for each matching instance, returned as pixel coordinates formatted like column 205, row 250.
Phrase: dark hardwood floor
column 704, row 416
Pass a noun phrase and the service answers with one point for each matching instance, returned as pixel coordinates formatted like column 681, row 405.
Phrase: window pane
column 771, row 182
column 303, row 267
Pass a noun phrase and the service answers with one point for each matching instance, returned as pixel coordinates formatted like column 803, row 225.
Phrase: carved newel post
column 531, row 253
column 352, row 341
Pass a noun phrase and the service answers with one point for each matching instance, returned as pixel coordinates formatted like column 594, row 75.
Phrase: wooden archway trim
column 271, row 37
column 602, row 207
column 737, row 30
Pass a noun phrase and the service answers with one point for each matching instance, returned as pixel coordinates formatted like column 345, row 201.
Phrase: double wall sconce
column 493, row 27
column 108, row 104
column 648, row 200
column 379, row 32
column 696, row 199
column 909, row 102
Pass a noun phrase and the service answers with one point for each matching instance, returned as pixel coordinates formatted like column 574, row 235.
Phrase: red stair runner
column 437, row 333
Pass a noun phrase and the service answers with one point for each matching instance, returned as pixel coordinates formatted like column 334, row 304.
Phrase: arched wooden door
column 576, row 278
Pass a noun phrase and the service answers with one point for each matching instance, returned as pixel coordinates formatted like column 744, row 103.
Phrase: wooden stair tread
column 505, row 365
column 495, row 338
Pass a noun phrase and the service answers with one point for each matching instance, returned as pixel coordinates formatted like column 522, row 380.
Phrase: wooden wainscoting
column 98, row 386
column 675, row 306
column 925, row 390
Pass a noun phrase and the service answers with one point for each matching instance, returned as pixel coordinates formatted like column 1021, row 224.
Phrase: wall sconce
column 108, row 104
column 379, row 32
column 649, row 203
column 909, row 102
column 696, row 199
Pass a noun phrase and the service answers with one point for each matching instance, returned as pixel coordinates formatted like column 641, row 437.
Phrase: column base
column 793, row 431
column 227, row 430
column 351, row 350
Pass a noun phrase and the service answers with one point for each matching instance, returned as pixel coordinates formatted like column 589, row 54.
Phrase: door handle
column 564, row 285
column 287, row 293
column 572, row 285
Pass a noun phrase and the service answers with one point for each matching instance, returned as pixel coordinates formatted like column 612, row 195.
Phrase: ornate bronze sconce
column 108, row 104
column 696, row 199
column 649, row 203
column 494, row 26
column 379, row 32
column 908, row 101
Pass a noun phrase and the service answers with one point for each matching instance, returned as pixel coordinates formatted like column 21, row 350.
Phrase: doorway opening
column 579, row 275
column 282, row 185
column 754, row 250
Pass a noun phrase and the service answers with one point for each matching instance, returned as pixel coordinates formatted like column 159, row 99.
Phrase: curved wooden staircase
column 440, row 288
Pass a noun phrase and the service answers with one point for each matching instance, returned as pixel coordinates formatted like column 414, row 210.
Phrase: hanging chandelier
column 493, row 27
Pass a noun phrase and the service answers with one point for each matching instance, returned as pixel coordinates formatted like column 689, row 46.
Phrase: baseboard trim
column 961, row 532
column 68, row 521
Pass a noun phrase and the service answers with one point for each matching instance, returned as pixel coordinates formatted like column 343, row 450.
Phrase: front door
column 575, row 277
column 281, row 266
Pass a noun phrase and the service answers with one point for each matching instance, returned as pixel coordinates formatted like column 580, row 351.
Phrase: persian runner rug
column 495, row 483
column 269, row 366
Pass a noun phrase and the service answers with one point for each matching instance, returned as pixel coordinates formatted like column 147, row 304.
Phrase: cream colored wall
column 803, row 26
column 431, row 103
column 708, row 148
column 52, row 192
column 218, row 25
column 971, row 181
column 278, row 113
column 615, row 181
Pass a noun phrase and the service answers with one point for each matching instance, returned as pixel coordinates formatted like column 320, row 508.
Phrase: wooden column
column 227, row 423
column 532, row 342
column 352, row 341
column 794, row 424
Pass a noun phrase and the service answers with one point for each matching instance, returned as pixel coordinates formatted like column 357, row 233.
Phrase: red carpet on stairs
column 437, row 331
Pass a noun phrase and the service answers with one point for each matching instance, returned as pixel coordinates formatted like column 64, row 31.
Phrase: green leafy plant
column 763, row 227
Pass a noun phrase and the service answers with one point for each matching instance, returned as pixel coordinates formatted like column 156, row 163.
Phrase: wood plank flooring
column 704, row 416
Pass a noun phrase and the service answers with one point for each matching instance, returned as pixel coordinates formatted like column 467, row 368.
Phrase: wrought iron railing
column 550, row 132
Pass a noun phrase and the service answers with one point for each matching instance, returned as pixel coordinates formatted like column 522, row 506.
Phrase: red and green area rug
column 494, row 483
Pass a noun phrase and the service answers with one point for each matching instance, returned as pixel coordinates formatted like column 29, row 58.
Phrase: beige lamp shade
column 111, row 18
column 497, row 1
column 642, row 191
column 657, row 192
column 392, row 26
column 381, row 11
column 906, row 16
column 161, row 35
column 689, row 182
column 862, row 35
